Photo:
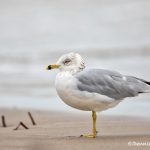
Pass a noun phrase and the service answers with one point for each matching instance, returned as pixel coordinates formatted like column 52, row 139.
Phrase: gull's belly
column 83, row 100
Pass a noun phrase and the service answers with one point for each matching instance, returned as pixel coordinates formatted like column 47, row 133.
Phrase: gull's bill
column 52, row 66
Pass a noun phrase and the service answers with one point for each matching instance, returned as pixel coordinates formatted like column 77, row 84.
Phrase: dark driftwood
column 32, row 119
column 3, row 122
column 21, row 124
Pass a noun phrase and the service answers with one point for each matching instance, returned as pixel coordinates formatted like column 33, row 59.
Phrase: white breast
column 66, row 86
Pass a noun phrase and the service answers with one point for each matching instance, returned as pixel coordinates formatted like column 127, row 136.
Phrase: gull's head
column 69, row 62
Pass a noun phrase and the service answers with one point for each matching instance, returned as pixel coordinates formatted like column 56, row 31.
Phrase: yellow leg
column 93, row 135
column 94, row 123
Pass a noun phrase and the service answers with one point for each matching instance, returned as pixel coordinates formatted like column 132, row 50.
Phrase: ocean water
column 108, row 34
column 30, row 86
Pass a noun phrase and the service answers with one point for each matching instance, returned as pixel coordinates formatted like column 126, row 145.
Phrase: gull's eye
column 67, row 61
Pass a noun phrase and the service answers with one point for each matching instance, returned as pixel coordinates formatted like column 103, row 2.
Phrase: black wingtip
column 147, row 83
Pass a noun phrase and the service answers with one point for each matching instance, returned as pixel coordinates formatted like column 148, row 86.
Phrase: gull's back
column 110, row 83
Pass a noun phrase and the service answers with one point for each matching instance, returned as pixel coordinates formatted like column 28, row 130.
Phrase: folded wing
column 110, row 83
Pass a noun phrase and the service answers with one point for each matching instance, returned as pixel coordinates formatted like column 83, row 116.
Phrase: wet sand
column 56, row 130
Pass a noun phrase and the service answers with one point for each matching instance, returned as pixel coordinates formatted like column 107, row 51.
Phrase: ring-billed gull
column 93, row 89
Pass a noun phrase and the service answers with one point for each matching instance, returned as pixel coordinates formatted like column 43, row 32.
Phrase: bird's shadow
column 106, row 137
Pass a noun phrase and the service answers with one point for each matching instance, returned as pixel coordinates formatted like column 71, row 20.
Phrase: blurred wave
column 26, row 75
column 36, row 25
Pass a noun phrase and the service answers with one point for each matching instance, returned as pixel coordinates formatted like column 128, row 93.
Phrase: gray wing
column 110, row 83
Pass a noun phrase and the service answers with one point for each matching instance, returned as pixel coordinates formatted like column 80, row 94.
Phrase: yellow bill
column 53, row 66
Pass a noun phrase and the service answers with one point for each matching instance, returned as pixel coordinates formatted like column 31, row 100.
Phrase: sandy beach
column 56, row 130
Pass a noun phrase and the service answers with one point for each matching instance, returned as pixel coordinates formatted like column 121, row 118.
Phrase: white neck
column 72, row 71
